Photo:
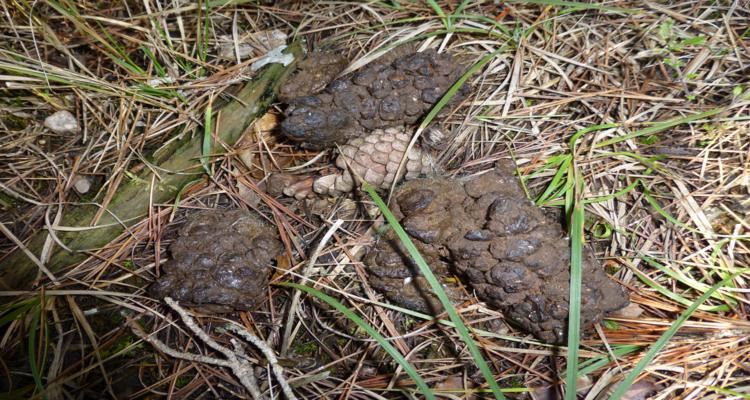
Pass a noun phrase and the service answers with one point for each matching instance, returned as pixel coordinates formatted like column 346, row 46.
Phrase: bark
column 133, row 197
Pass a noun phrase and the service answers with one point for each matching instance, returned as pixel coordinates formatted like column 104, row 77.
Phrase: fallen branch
column 242, row 369
column 131, row 201
column 270, row 356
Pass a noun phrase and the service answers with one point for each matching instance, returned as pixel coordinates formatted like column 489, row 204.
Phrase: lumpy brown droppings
column 221, row 261
column 384, row 94
column 312, row 75
column 392, row 272
column 486, row 231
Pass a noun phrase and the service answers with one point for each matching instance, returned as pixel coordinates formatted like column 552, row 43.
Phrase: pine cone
column 221, row 261
column 375, row 158
column 505, row 248
column 383, row 94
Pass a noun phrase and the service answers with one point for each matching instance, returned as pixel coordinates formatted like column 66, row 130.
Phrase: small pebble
column 82, row 185
column 61, row 122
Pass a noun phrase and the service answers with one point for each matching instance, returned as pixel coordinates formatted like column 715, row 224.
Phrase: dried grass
column 562, row 71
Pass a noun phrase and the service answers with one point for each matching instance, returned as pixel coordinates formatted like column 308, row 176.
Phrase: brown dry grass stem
column 667, row 211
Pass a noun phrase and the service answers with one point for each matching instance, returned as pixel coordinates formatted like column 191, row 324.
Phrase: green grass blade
column 439, row 11
column 687, row 280
column 574, row 313
column 79, row 81
column 674, row 296
column 649, row 162
column 566, row 188
column 120, row 55
column 595, row 364
column 551, row 163
column 729, row 392
column 577, row 5
column 452, row 91
column 664, row 213
column 666, row 336
column 405, row 364
column 599, row 199
column 32, row 343
column 570, row 193
column 463, row 331
column 166, row 94
column 660, row 126
column 111, row 49
column 160, row 70
column 14, row 311
column 203, row 31
column 557, row 182
column 459, row 10
column 584, row 131
column 207, row 139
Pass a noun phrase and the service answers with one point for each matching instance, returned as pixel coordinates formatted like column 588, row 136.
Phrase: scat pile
column 381, row 95
column 221, row 261
column 486, row 231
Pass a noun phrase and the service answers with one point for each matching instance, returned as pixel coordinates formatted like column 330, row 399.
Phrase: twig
column 28, row 253
column 161, row 346
column 305, row 273
column 278, row 371
column 241, row 369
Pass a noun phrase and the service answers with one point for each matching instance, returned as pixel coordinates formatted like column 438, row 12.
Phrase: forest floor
column 656, row 97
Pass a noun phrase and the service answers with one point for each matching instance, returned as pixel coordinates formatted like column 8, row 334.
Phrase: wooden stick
column 131, row 201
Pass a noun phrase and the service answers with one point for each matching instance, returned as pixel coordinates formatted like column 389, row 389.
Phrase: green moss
column 14, row 123
column 7, row 202
column 182, row 381
column 650, row 139
column 514, row 381
column 105, row 319
column 409, row 323
column 308, row 348
column 121, row 344
column 611, row 325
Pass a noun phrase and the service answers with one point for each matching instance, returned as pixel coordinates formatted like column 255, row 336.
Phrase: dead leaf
column 266, row 124
column 248, row 195
column 247, row 156
column 550, row 392
column 545, row 393
column 641, row 390
column 633, row 310
column 450, row 383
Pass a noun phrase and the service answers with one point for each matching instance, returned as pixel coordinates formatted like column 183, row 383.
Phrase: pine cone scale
column 375, row 158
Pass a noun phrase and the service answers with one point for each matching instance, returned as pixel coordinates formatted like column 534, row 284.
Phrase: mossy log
column 132, row 199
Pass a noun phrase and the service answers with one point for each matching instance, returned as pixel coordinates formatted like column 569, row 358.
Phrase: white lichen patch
column 274, row 56
column 62, row 122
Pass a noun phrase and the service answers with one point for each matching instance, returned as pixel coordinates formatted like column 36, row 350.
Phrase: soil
column 221, row 261
column 484, row 229
column 386, row 93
